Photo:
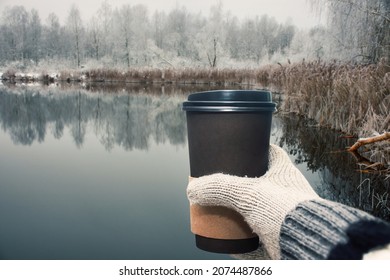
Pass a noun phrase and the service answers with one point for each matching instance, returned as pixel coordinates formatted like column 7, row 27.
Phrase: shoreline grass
column 354, row 99
column 141, row 75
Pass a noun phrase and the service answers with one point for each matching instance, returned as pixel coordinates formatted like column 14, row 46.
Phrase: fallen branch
column 364, row 141
column 369, row 166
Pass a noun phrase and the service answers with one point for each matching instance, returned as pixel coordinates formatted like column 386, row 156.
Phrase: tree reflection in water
column 126, row 119
column 324, row 153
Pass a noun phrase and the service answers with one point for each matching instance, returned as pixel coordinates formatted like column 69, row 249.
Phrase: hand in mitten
column 263, row 202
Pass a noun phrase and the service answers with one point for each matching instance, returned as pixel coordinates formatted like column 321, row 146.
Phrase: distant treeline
column 133, row 36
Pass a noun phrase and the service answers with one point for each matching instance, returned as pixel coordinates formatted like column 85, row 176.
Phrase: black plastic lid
column 232, row 95
column 231, row 101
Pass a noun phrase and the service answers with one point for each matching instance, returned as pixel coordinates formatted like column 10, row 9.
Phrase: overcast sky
column 297, row 10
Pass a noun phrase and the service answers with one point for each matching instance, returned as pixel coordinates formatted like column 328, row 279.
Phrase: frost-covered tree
column 52, row 36
column 15, row 24
column 232, row 41
column 285, row 36
column 75, row 27
column 34, row 36
column 309, row 45
column 158, row 28
column 268, row 29
column 94, row 44
column 251, row 41
column 105, row 26
column 359, row 29
column 141, row 31
column 178, row 27
column 124, row 20
column 215, row 33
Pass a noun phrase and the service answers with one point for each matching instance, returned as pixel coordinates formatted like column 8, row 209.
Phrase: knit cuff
column 321, row 229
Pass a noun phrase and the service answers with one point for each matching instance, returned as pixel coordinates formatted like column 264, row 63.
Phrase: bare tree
column 359, row 28
column 75, row 26
column 125, row 18
column 34, row 35
column 52, row 36
column 140, row 30
column 213, row 35
column 213, row 59
column 15, row 22
column 159, row 22
column 95, row 33
column 178, row 26
column 106, row 28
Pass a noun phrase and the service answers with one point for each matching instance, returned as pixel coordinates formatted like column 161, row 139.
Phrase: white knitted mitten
column 263, row 202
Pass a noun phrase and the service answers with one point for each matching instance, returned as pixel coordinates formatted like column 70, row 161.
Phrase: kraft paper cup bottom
column 221, row 230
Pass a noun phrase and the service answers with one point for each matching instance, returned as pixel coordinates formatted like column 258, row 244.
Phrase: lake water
column 101, row 174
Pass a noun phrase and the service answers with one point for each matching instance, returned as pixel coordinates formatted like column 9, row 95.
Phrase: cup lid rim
column 228, row 108
column 232, row 95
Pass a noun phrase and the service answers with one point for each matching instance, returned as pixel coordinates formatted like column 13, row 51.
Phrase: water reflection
column 321, row 154
column 125, row 119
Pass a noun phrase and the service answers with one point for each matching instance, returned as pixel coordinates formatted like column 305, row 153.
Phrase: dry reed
column 352, row 98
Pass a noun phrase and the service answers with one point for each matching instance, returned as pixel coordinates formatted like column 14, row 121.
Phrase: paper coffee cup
column 228, row 132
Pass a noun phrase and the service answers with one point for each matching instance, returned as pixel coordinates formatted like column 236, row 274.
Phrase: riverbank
column 195, row 76
column 351, row 98
column 354, row 99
